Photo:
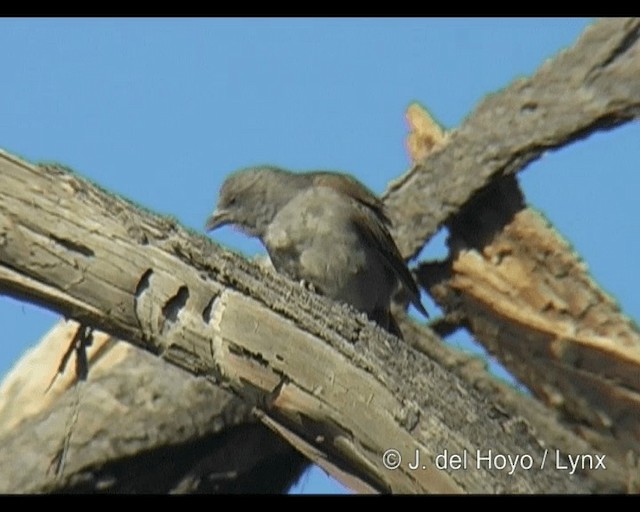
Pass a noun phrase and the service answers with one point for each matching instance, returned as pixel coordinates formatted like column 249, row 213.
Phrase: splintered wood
column 527, row 296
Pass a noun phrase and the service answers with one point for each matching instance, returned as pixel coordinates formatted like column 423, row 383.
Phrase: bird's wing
column 379, row 237
column 345, row 184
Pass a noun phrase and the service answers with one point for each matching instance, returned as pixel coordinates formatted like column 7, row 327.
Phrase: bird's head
column 251, row 198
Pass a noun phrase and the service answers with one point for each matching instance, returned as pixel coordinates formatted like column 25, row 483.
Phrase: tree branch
column 530, row 300
column 594, row 85
column 94, row 257
column 142, row 426
column 511, row 278
column 308, row 363
column 620, row 475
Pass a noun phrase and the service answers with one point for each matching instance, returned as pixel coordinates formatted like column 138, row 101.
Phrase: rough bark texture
column 309, row 364
column 529, row 299
column 535, row 294
column 621, row 474
column 511, row 279
column 138, row 424
column 594, row 85
column 95, row 258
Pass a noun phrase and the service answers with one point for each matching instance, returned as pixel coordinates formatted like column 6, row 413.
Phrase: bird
column 322, row 228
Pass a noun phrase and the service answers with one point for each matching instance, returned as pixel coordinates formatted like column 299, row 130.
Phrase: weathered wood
column 595, row 85
column 590, row 87
column 511, row 279
column 138, row 424
column 521, row 290
column 622, row 474
column 530, row 300
column 306, row 362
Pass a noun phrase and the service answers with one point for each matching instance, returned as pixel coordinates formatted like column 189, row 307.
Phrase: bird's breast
column 313, row 239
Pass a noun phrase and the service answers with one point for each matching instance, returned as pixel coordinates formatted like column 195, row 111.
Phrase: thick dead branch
column 311, row 365
column 594, row 85
column 142, row 426
column 511, row 279
column 153, row 300
column 504, row 258
column 622, row 474
column 529, row 299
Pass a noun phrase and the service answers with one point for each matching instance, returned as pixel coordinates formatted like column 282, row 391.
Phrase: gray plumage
column 324, row 228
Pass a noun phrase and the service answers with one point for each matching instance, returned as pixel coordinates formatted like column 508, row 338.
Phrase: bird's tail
column 393, row 327
column 385, row 319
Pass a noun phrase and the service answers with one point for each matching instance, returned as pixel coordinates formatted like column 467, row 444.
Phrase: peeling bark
column 529, row 299
column 312, row 365
column 142, row 426
column 338, row 389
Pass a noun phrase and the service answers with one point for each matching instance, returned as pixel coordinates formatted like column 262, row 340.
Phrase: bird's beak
column 217, row 219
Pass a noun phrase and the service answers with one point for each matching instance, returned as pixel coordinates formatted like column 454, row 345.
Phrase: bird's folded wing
column 375, row 233
column 345, row 184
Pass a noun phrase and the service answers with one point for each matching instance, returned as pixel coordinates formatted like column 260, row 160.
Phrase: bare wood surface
column 511, row 279
column 138, row 424
column 601, row 71
column 509, row 260
column 529, row 298
column 308, row 363
column 524, row 293
column 622, row 473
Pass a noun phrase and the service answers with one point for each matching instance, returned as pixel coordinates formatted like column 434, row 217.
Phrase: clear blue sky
column 160, row 110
